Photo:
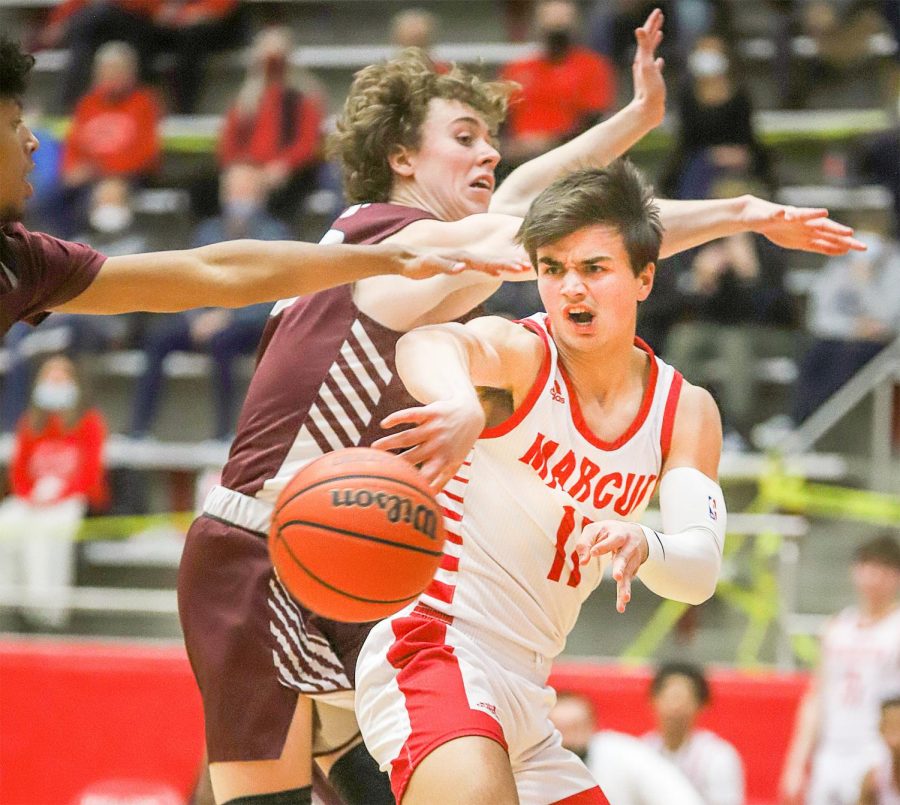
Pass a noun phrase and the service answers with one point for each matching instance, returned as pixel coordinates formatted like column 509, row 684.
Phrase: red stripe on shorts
column 435, row 696
column 593, row 796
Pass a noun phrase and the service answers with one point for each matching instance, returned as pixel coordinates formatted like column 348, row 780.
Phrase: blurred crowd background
column 171, row 123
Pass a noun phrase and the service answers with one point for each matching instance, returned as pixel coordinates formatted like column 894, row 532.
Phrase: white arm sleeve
column 685, row 560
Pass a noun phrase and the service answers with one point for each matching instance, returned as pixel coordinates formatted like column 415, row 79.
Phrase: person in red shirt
column 275, row 123
column 114, row 131
column 56, row 474
column 564, row 89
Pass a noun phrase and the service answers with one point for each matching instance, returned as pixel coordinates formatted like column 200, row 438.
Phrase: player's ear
column 401, row 161
column 645, row 281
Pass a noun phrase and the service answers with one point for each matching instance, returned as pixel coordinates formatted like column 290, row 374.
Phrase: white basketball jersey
column 860, row 668
column 517, row 506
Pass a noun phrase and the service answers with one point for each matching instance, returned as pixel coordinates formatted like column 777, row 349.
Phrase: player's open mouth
column 581, row 317
column 483, row 184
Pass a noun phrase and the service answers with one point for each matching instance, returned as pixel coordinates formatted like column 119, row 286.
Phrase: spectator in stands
column 836, row 726
column 56, row 474
column 221, row 333
column 877, row 159
column 114, row 130
column 565, row 89
column 680, row 692
column 189, row 29
column 724, row 293
column 854, row 312
column 716, row 136
column 275, row 123
column 414, row 28
column 881, row 785
column 629, row 772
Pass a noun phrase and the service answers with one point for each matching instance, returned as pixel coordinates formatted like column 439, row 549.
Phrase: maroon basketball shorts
column 254, row 650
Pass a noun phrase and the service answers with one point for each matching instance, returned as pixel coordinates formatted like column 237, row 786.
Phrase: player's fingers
column 828, row 247
column 805, row 213
column 821, row 224
column 402, row 440
column 623, row 594
column 489, row 265
column 608, row 544
column 408, row 416
column 589, row 537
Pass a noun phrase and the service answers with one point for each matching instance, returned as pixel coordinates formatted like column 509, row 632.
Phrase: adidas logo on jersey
column 556, row 393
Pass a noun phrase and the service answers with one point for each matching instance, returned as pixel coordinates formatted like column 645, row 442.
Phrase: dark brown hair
column 616, row 195
column 14, row 68
column 883, row 550
column 385, row 109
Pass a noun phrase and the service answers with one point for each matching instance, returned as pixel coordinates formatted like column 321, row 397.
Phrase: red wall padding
column 76, row 714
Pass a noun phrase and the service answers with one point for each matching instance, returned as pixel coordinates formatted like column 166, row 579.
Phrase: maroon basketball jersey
column 326, row 375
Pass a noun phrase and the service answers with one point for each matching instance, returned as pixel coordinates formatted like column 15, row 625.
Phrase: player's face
column 17, row 145
column 589, row 289
column 452, row 170
column 875, row 582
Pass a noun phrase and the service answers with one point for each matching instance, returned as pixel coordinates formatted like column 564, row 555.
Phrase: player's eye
column 465, row 139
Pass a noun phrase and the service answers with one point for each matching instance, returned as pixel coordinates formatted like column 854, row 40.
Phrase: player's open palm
column 442, row 435
column 646, row 69
column 805, row 228
column 625, row 543
column 421, row 264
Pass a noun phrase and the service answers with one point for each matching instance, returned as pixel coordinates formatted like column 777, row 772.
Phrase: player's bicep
column 696, row 433
column 502, row 355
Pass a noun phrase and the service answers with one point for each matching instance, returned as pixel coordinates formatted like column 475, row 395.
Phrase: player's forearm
column 596, row 147
column 806, row 732
column 685, row 558
column 692, row 223
column 433, row 363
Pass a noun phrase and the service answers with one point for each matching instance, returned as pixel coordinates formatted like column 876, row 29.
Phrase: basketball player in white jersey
column 837, row 722
column 881, row 785
column 452, row 693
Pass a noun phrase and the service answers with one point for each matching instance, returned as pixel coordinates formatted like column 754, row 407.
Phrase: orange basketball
column 356, row 535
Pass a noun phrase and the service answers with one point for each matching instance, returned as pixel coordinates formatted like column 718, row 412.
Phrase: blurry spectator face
column 676, row 705
column 574, row 718
column 413, row 29
column 243, row 191
column 56, row 386
column 111, row 206
column 556, row 22
column 17, row 145
column 708, row 59
column 453, row 167
column 271, row 51
column 875, row 582
column 115, row 71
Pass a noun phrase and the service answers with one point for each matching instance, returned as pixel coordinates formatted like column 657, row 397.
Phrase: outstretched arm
column 245, row 272
column 681, row 562
column 603, row 143
column 441, row 366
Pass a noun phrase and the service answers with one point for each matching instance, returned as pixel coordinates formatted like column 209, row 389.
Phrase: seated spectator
column 564, row 89
column 881, row 785
column 275, row 123
column 114, row 130
column 189, row 29
column 416, row 28
column 724, row 292
column 629, row 772
column 611, row 24
column 56, row 474
column 854, row 312
column 716, row 136
column 680, row 691
column 221, row 333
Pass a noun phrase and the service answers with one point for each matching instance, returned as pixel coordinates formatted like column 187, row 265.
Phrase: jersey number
column 565, row 530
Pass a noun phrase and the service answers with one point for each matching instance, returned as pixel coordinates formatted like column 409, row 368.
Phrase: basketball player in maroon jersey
column 418, row 157
column 39, row 273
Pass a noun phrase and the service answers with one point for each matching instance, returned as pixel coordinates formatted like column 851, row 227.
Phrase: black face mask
column 557, row 43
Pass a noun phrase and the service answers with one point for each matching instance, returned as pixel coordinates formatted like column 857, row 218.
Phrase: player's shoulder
column 697, row 409
column 510, row 336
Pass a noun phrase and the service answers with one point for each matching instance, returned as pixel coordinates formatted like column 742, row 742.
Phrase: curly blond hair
column 385, row 109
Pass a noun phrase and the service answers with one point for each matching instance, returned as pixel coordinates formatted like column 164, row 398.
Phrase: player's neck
column 674, row 740
column 410, row 195
column 874, row 610
column 606, row 373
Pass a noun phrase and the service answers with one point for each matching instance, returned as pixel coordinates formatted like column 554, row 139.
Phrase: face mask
column 557, row 43
column 707, row 64
column 55, row 396
column 111, row 218
column 241, row 209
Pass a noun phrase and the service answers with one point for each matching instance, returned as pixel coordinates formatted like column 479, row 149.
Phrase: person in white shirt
column 836, row 728
column 628, row 771
column 680, row 691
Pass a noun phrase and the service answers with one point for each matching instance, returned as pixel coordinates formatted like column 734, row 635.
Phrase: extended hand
column 806, row 228
column 421, row 264
column 646, row 69
column 442, row 435
column 627, row 545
